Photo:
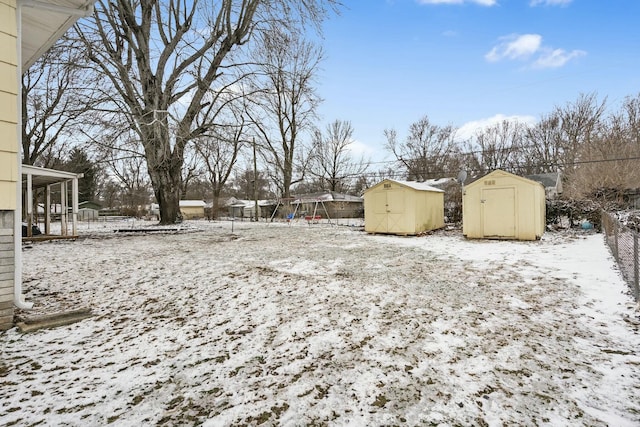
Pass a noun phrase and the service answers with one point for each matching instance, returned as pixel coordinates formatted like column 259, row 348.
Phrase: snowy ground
column 298, row 325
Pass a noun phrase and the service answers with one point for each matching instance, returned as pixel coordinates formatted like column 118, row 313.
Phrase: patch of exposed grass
column 380, row 401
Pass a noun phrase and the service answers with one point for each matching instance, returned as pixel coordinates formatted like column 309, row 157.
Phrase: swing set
column 291, row 216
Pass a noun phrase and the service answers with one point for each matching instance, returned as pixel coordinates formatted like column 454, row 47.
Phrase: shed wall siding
column 192, row 212
column 393, row 208
column 486, row 217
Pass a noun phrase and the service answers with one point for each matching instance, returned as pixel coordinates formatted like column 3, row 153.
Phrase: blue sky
column 467, row 62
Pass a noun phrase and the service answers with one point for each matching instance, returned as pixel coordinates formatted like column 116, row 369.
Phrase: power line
column 513, row 166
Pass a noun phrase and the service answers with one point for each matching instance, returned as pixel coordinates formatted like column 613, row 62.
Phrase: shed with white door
column 403, row 207
column 502, row 205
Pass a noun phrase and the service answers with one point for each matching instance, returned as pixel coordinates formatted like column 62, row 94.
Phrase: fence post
column 636, row 279
column 615, row 240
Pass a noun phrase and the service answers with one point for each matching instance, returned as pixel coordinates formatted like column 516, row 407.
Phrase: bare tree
column 631, row 116
column 332, row 160
column 219, row 153
column 497, row 147
column 286, row 108
column 163, row 58
column 579, row 124
column 124, row 167
column 129, row 172
column 607, row 163
column 246, row 182
column 540, row 149
column 427, row 152
column 56, row 92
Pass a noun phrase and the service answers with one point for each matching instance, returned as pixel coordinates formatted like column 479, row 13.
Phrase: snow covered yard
column 278, row 325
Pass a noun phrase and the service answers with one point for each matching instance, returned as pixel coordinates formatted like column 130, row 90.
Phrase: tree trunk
column 287, row 175
column 216, row 201
column 167, row 192
column 165, row 170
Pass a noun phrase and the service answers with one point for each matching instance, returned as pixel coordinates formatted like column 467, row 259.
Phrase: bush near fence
column 574, row 211
column 623, row 242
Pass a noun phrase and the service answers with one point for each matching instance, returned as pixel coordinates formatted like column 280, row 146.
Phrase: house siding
column 8, row 105
column 8, row 155
column 7, row 268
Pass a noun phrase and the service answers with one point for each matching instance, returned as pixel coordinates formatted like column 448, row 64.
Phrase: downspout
column 18, row 298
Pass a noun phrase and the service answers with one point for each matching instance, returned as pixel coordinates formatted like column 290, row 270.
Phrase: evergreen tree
column 79, row 162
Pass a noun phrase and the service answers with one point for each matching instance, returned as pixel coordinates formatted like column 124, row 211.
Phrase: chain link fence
column 623, row 242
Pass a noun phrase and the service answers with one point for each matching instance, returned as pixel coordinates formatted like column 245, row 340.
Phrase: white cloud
column 535, row 3
column 480, row 2
column 554, row 58
column 527, row 46
column 515, row 46
column 360, row 149
column 469, row 129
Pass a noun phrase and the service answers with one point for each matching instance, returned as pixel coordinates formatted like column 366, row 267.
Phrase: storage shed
column 403, row 207
column 502, row 205
column 192, row 209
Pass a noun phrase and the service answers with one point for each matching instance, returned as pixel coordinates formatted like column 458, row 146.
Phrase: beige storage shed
column 192, row 209
column 502, row 205
column 403, row 207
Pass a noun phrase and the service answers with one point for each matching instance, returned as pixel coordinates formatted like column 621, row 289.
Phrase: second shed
column 502, row 205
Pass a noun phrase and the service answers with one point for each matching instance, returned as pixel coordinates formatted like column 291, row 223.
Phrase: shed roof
column 500, row 172
column 440, row 181
column 547, row 179
column 420, row 186
column 192, row 204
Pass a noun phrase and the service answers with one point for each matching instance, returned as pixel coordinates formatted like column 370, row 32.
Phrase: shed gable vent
column 387, row 185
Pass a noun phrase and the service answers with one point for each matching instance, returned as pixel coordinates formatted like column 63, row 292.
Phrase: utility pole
column 255, row 179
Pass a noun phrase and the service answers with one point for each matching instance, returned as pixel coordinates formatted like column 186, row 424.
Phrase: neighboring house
column 403, row 207
column 552, row 183
column 192, row 209
column 27, row 30
column 335, row 205
column 502, row 205
column 90, row 205
column 154, row 210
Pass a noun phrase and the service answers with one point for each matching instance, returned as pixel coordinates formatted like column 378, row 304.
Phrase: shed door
column 395, row 210
column 389, row 210
column 380, row 210
column 499, row 212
